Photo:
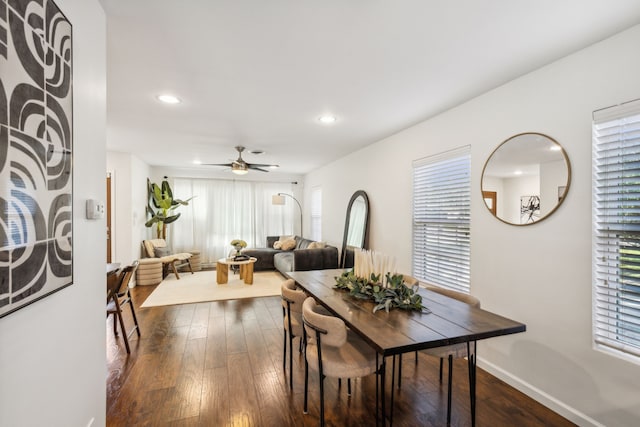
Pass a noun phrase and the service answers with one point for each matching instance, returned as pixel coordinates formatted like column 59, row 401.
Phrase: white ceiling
column 259, row 73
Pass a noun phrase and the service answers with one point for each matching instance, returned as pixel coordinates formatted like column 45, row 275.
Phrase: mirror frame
column 365, row 239
column 566, row 191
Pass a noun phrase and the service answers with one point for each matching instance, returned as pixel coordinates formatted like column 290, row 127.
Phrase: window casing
column 616, row 230
column 441, row 219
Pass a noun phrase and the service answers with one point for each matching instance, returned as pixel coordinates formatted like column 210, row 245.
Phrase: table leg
column 222, row 273
column 248, row 273
column 471, row 358
column 383, row 402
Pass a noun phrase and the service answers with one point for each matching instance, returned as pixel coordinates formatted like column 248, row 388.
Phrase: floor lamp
column 278, row 199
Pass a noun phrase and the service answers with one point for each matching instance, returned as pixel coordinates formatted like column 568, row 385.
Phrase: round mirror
column 526, row 178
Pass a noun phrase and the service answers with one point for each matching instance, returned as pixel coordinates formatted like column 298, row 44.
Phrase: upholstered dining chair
column 292, row 300
column 118, row 296
column 333, row 351
column 455, row 350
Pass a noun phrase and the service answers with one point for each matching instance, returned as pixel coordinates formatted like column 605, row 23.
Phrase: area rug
column 202, row 286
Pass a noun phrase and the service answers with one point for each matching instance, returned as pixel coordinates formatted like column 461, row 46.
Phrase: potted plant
column 161, row 206
column 238, row 245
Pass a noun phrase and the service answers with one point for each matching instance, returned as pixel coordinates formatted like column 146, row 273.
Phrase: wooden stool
column 149, row 271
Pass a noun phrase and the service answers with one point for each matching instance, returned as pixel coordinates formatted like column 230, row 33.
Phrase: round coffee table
column 246, row 270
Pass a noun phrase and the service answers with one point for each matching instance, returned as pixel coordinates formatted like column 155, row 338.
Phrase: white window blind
column 441, row 219
column 316, row 214
column 616, row 223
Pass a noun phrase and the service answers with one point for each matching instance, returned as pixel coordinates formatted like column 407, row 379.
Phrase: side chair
column 292, row 300
column 334, row 351
column 450, row 352
column 117, row 297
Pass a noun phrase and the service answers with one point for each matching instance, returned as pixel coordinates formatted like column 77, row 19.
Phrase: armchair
column 157, row 248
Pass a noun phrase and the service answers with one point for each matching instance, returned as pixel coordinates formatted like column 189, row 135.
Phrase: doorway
column 108, row 209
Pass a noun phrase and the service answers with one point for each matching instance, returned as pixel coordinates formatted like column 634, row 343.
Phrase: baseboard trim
column 540, row 396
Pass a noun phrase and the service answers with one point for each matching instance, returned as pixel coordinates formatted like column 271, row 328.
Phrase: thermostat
column 95, row 209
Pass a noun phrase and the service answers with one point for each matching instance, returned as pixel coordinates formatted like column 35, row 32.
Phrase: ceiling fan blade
column 218, row 164
column 263, row 165
column 254, row 168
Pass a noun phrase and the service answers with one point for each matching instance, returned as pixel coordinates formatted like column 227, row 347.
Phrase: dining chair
column 333, row 351
column 450, row 352
column 118, row 296
column 292, row 300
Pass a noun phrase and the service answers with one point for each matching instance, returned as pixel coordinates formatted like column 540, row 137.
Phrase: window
column 222, row 210
column 616, row 229
column 316, row 214
column 441, row 219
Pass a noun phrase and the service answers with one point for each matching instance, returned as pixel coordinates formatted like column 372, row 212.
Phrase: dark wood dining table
column 392, row 333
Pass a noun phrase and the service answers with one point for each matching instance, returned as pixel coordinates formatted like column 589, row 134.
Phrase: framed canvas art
column 36, row 152
column 529, row 209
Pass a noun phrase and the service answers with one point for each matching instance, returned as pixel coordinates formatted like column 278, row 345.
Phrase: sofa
column 302, row 257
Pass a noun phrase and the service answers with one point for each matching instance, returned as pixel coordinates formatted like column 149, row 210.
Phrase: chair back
column 460, row 296
column 316, row 323
column 125, row 277
column 410, row 281
column 114, row 279
column 292, row 298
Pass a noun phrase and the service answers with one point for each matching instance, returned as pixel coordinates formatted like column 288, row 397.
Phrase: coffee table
column 246, row 270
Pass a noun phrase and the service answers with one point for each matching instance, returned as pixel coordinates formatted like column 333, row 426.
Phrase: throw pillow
column 160, row 252
column 317, row 245
column 283, row 238
column 288, row 245
column 277, row 244
column 148, row 246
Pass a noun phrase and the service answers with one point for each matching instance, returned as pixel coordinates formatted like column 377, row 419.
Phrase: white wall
column 539, row 274
column 52, row 352
column 129, row 197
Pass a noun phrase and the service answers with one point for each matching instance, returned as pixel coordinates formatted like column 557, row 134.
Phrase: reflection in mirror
column 356, row 227
column 526, row 178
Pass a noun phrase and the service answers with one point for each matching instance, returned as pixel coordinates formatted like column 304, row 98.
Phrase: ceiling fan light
column 239, row 168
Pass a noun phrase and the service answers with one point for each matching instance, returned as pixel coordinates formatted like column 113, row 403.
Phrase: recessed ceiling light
column 274, row 166
column 197, row 162
column 518, row 172
column 169, row 99
column 327, row 119
column 556, row 148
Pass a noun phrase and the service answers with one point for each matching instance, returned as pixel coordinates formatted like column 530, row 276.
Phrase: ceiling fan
column 240, row 167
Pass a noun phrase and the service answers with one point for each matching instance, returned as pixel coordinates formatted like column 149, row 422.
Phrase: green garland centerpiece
column 394, row 293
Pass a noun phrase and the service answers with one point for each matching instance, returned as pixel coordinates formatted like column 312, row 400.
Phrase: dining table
column 445, row 321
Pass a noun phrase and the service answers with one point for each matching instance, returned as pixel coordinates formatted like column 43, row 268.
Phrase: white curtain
column 224, row 210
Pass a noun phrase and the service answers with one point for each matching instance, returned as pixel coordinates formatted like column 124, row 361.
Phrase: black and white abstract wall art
column 36, row 181
column 529, row 209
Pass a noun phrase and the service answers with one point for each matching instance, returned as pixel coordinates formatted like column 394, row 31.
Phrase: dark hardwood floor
column 220, row 364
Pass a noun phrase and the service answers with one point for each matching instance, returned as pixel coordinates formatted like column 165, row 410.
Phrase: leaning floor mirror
column 526, row 179
column 356, row 227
